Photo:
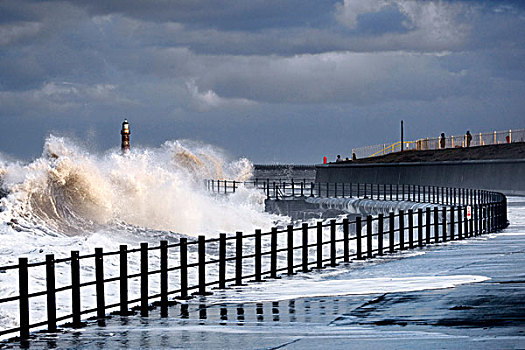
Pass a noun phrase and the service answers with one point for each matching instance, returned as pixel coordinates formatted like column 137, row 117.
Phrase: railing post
column 351, row 189
column 99, row 282
column 273, row 253
column 222, row 260
column 333, row 251
column 343, row 185
column 436, row 225
column 401, row 229
column 420, row 227
column 391, row 237
column 258, row 255
column 452, row 223
column 397, row 192
column 410, row 228
column 369, row 253
column 427, row 225
column 444, row 223
column 403, row 192
column 358, row 190
column 380, row 233
column 144, row 279
column 460, row 222
column 466, row 222
column 23, row 287
column 238, row 258
column 202, row 265
column 384, row 192
column 289, row 249
column 359, row 251
column 390, row 191
column 50, row 292
column 319, row 244
column 123, row 281
column 183, row 254
column 75, row 288
column 312, row 186
column 305, row 247
column 346, row 241
column 163, row 278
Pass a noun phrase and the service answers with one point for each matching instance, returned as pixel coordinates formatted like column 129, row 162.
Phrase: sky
column 270, row 80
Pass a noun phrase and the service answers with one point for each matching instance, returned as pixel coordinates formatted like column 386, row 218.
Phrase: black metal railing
column 393, row 192
column 242, row 258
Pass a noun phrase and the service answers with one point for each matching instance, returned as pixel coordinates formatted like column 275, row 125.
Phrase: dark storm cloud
column 272, row 64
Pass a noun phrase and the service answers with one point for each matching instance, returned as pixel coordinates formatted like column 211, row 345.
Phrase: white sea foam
column 300, row 288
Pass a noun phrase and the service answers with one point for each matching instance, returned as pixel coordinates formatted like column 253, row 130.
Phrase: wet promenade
column 485, row 315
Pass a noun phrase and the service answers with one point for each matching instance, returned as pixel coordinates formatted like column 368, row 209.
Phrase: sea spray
column 70, row 191
column 71, row 199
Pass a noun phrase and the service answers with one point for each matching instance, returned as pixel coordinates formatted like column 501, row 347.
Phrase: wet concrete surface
column 484, row 315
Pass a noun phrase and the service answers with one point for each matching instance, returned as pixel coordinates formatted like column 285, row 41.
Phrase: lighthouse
column 125, row 136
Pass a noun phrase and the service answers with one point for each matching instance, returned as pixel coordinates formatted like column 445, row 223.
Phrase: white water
column 70, row 199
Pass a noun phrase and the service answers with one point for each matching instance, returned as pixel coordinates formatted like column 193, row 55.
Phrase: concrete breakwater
column 501, row 175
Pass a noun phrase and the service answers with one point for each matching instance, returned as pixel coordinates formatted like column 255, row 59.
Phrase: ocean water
column 70, row 199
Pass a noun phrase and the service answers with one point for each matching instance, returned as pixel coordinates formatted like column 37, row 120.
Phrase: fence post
column 359, row 251
column 312, row 186
column 273, row 253
column 202, row 266
column 346, row 236
column 420, row 227
column 238, row 259
column 444, row 223
column 351, row 190
column 333, row 251
column 99, row 282
column 390, row 191
column 289, row 249
column 384, row 192
column 123, row 281
column 358, row 190
column 75, row 288
column 183, row 246
column 460, row 223
column 258, row 255
column 23, row 286
column 391, row 237
column 369, row 253
column 163, row 278
column 436, row 225
column 319, row 244
column 410, row 228
column 380, row 234
column 452, row 223
column 427, row 225
column 50, row 292
column 401, row 229
column 305, row 247
column 144, row 279
column 465, row 223
column 222, row 260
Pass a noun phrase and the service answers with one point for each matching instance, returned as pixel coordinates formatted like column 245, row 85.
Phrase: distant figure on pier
column 338, row 159
column 354, row 157
column 468, row 138
column 442, row 141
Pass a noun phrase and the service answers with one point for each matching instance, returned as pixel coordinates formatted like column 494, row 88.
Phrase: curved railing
column 246, row 257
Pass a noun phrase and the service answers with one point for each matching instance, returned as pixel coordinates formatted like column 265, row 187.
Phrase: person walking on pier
column 442, row 141
column 468, row 138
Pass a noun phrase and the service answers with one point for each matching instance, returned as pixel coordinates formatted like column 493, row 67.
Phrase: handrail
column 447, row 220
column 453, row 141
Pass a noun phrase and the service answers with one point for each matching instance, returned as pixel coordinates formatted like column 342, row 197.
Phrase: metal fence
column 432, row 143
column 463, row 213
